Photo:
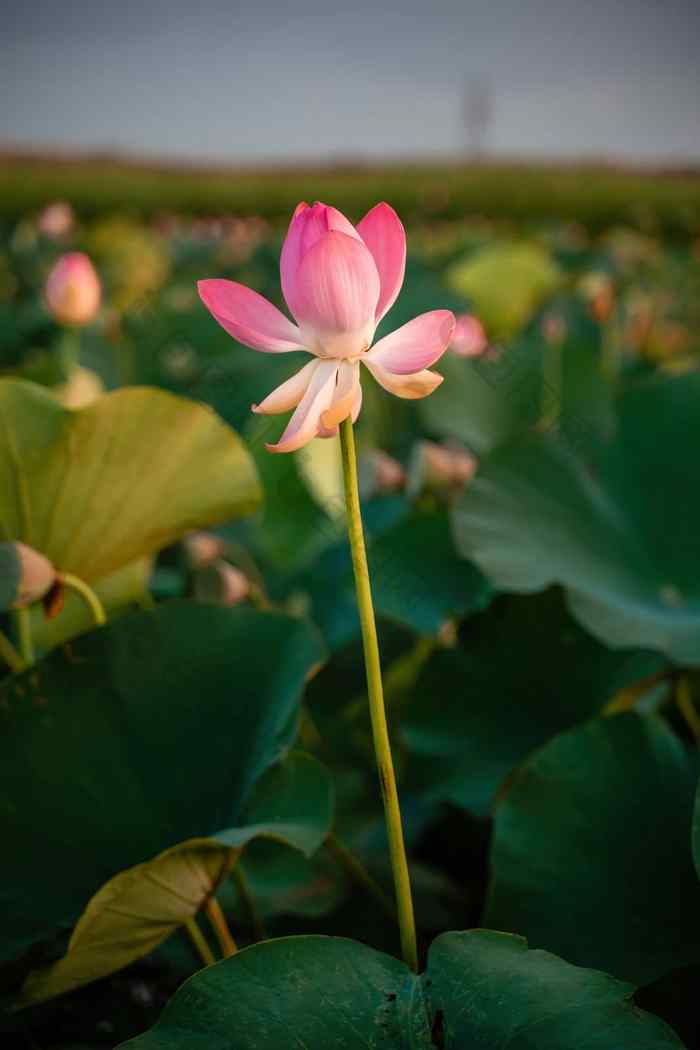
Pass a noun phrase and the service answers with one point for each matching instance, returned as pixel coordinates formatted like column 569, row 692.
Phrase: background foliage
column 540, row 627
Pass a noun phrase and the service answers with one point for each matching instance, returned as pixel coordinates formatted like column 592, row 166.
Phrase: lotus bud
column 469, row 338
column 599, row 290
column 37, row 576
column 554, row 329
column 203, row 548
column 440, row 467
column 380, row 473
column 221, row 584
column 73, row 290
column 56, row 220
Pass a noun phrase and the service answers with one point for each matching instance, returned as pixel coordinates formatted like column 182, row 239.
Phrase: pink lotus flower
column 469, row 338
column 56, row 220
column 73, row 290
column 338, row 281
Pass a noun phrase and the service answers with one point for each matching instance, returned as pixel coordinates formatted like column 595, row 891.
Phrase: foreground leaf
column 132, row 914
column 142, row 734
column 591, row 854
column 480, row 989
column 613, row 521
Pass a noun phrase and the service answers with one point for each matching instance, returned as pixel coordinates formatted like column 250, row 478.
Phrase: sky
column 259, row 80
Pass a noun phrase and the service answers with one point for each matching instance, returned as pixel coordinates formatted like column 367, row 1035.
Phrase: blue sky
column 251, row 81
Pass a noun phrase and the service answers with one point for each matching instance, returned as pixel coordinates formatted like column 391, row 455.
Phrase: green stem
column 199, row 941
column 10, row 655
column 359, row 874
column 94, row 604
column 24, row 635
column 380, row 732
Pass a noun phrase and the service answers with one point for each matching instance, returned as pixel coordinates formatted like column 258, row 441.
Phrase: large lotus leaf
column 474, row 715
column 140, row 735
column 591, row 854
column 480, row 989
column 102, row 487
column 135, row 911
column 613, row 520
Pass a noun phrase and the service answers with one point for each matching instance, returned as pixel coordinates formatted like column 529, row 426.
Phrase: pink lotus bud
column 56, row 220
column 221, row 584
column 469, row 338
column 440, row 467
column 203, row 548
column 37, row 575
column 554, row 329
column 73, row 290
column 390, row 474
column 380, row 473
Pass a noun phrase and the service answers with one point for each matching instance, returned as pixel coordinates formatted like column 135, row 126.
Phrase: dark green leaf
column 481, row 989
column 524, row 670
column 144, row 733
column 591, row 853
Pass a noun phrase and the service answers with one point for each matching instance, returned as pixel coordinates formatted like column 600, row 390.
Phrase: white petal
column 343, row 396
column 306, row 421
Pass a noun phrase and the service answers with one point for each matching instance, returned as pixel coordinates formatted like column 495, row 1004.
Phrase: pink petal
column 308, row 225
column 415, row 345
column 306, row 421
column 343, row 396
column 419, row 384
column 288, row 394
column 384, row 235
column 337, row 288
column 249, row 317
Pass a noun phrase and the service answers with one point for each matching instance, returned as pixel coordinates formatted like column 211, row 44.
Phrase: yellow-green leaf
column 132, row 914
column 103, row 487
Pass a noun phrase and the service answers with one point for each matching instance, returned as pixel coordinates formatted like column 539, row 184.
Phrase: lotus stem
column 220, row 927
column 94, row 604
column 24, row 635
column 380, row 732
column 10, row 655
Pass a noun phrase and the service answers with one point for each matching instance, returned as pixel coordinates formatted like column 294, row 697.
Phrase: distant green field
column 597, row 197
